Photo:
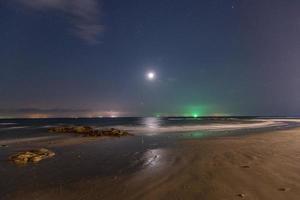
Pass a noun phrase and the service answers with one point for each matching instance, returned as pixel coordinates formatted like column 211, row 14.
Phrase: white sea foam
column 13, row 128
column 152, row 127
column 30, row 139
column 5, row 124
column 286, row 120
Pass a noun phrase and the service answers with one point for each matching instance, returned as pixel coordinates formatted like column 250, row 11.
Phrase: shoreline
column 254, row 166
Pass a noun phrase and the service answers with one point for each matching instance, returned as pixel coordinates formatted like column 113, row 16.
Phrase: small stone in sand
column 283, row 189
column 245, row 166
column 31, row 156
column 241, row 195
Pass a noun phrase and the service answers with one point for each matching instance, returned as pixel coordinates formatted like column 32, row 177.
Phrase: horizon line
column 178, row 116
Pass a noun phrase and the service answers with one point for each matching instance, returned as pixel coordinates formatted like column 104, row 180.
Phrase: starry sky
column 70, row 58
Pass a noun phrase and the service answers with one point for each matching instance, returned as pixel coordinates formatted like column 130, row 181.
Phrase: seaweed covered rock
column 89, row 131
column 114, row 132
column 71, row 129
column 34, row 156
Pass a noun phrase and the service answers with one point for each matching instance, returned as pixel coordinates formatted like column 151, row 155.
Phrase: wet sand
column 259, row 166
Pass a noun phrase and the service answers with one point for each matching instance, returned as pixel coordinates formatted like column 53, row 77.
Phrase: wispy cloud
column 84, row 15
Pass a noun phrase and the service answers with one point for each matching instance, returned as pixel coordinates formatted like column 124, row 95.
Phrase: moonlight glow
column 151, row 76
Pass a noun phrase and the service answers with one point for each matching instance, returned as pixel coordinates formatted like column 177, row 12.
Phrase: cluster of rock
column 89, row 131
column 34, row 156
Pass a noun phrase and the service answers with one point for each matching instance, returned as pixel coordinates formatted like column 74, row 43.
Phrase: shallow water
column 18, row 128
column 110, row 157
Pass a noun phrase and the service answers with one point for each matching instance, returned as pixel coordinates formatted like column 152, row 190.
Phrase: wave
column 30, row 139
column 252, row 124
column 14, row 128
column 6, row 124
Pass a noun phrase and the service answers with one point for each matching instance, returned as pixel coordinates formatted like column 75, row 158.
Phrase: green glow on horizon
column 195, row 111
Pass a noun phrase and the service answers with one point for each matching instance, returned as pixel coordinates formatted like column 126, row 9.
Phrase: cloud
column 84, row 15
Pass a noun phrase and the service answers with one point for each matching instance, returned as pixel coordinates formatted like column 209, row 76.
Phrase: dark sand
column 260, row 166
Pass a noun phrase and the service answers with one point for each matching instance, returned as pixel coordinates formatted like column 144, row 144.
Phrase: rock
column 31, row 156
column 241, row 195
column 283, row 189
column 82, row 129
column 37, row 158
column 71, row 129
column 245, row 166
column 89, row 131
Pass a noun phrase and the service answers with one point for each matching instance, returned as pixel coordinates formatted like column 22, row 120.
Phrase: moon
column 151, row 75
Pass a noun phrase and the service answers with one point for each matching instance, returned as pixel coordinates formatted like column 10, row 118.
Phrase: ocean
column 147, row 126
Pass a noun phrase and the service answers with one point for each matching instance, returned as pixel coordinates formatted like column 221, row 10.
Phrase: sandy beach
column 262, row 166
column 257, row 166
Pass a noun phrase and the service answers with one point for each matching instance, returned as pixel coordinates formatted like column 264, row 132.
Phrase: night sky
column 70, row 58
